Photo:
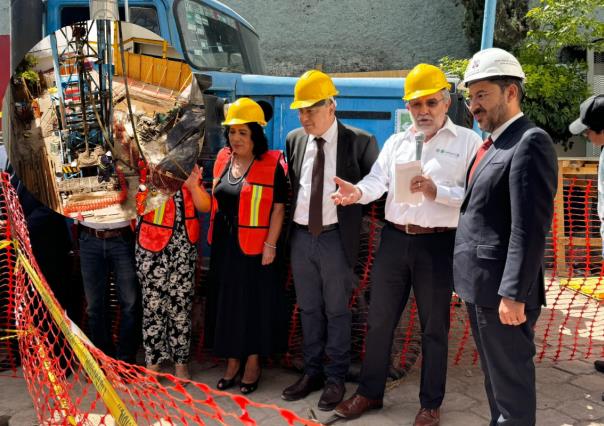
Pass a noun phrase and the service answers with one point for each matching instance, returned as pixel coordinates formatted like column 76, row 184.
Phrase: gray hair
column 446, row 94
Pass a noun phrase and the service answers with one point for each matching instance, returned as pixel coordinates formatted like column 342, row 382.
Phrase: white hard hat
column 492, row 63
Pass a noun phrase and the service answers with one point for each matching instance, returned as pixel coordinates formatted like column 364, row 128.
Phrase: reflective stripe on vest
column 158, row 214
column 156, row 227
column 255, row 204
column 255, row 200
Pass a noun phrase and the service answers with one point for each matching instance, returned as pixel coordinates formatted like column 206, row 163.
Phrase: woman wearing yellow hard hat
column 248, row 205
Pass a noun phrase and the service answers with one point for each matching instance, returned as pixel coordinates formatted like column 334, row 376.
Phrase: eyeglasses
column 478, row 97
column 430, row 103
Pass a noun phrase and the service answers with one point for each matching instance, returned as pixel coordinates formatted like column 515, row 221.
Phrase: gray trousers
column 323, row 280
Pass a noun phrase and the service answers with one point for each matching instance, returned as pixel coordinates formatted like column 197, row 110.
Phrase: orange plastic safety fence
column 82, row 206
column 72, row 382
column 571, row 326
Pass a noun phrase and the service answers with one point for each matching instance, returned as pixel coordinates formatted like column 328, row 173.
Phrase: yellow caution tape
column 116, row 406
column 4, row 244
column 56, row 387
column 71, row 169
column 15, row 335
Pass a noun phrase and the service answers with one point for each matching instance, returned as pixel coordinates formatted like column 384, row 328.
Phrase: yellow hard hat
column 423, row 80
column 314, row 86
column 244, row 110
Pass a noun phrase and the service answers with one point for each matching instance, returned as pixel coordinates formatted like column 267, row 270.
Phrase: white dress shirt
column 102, row 226
column 499, row 130
column 330, row 215
column 445, row 159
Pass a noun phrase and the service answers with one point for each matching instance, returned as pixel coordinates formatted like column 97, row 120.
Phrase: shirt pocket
column 445, row 169
column 490, row 252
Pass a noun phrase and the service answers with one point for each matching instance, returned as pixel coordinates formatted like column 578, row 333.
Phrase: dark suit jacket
column 505, row 217
column 357, row 151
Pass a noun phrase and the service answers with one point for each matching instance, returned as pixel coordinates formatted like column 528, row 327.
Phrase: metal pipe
column 488, row 24
column 57, row 71
column 126, row 10
column 125, row 75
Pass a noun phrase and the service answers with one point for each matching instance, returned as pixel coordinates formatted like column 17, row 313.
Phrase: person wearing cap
column 248, row 199
column 416, row 246
column 500, row 241
column 591, row 124
column 324, row 238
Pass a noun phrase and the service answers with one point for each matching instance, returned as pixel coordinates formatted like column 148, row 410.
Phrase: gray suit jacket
column 357, row 151
column 505, row 217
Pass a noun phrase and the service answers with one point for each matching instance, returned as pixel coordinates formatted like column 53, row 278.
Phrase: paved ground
column 569, row 393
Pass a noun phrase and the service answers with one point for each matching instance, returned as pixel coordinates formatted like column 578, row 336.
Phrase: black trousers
column 424, row 263
column 323, row 280
column 506, row 358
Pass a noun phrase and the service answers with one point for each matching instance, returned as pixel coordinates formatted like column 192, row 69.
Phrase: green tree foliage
column 556, row 24
column 553, row 91
column 511, row 22
column 25, row 69
column 553, row 94
column 453, row 67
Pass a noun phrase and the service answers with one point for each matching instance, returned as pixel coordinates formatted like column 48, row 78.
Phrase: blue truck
column 222, row 49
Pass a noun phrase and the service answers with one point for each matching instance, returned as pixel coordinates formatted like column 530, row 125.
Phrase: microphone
column 419, row 144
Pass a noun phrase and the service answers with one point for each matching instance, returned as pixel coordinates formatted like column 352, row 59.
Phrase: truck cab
column 222, row 46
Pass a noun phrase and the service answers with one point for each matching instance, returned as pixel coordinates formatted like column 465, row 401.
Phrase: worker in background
column 324, row 238
column 500, row 241
column 591, row 124
column 416, row 247
column 105, row 248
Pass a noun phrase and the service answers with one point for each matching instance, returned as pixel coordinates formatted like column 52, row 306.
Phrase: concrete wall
column 354, row 35
column 4, row 17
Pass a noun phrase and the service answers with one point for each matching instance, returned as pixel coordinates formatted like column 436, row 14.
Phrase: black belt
column 104, row 234
column 326, row 228
column 411, row 229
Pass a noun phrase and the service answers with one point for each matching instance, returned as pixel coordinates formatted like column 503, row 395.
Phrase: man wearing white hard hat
column 505, row 217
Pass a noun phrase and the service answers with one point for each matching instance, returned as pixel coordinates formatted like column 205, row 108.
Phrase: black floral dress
column 167, row 288
column 249, row 303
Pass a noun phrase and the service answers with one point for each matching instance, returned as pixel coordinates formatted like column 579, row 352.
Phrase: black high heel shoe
column 247, row 388
column 224, row 384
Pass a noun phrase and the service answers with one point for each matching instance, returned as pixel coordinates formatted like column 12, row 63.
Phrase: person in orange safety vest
column 166, row 254
column 248, row 198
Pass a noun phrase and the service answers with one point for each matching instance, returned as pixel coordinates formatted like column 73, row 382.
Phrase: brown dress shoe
column 332, row 395
column 427, row 417
column 303, row 386
column 356, row 405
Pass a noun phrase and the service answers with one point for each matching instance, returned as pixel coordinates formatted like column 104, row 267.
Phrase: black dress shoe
column 247, row 388
column 303, row 386
column 332, row 395
column 599, row 365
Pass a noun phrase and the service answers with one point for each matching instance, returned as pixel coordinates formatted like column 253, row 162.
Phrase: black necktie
column 315, row 208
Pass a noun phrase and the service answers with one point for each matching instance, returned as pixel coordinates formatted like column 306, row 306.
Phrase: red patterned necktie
column 481, row 152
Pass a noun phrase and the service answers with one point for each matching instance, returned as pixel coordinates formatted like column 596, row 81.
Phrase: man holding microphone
column 416, row 249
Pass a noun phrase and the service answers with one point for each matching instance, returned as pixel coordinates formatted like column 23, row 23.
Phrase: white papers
column 403, row 173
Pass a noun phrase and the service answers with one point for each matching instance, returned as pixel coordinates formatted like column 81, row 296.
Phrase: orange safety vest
column 157, row 226
column 255, row 200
